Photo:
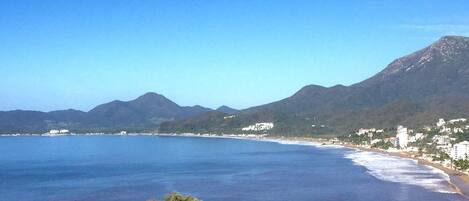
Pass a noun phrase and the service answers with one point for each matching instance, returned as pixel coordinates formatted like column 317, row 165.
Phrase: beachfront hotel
column 460, row 150
column 402, row 137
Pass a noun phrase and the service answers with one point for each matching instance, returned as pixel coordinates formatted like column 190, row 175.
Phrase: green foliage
column 432, row 133
column 179, row 197
column 382, row 145
column 441, row 156
column 386, row 134
column 355, row 139
column 175, row 196
column 462, row 164
column 462, row 136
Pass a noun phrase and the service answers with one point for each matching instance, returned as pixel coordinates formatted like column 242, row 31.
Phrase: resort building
column 363, row 131
column 402, row 137
column 259, row 127
column 441, row 139
column 229, row 117
column 460, row 150
column 442, row 142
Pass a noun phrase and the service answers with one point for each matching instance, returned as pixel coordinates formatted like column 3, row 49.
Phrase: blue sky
column 77, row 54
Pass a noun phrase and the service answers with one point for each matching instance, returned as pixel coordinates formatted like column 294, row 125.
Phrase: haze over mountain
column 413, row 90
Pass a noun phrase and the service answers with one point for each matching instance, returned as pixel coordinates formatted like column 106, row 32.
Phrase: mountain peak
column 438, row 54
column 449, row 45
column 453, row 38
column 150, row 95
column 152, row 98
column 226, row 109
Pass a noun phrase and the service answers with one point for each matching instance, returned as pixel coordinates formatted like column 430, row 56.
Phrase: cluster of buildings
column 57, row 132
column 363, row 131
column 444, row 138
column 259, row 127
column 401, row 139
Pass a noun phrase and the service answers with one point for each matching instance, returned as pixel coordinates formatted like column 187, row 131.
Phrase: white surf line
column 401, row 170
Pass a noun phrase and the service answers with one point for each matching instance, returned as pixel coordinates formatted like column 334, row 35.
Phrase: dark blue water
column 134, row 168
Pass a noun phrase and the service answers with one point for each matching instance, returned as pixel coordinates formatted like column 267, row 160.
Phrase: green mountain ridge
column 145, row 113
column 413, row 90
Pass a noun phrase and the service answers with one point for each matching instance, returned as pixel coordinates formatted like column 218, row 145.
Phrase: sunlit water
column 134, row 168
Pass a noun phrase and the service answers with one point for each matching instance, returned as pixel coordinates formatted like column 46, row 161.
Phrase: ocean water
column 133, row 168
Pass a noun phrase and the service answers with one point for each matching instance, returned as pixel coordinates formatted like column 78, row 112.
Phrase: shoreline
column 458, row 181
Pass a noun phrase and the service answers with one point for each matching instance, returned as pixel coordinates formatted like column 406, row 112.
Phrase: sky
column 78, row 54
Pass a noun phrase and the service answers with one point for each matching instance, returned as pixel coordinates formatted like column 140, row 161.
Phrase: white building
column 54, row 132
column 374, row 141
column 259, row 127
column 460, row 150
column 229, row 117
column 440, row 123
column 452, row 121
column 64, row 131
column 441, row 139
column 363, row 131
column 402, row 137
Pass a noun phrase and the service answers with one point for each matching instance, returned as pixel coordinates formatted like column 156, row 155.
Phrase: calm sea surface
column 134, row 168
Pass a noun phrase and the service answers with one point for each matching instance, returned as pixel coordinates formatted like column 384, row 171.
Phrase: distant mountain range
column 414, row 90
column 142, row 114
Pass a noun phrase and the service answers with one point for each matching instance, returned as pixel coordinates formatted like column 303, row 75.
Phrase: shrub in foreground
column 175, row 196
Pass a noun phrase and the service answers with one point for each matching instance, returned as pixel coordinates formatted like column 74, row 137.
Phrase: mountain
column 148, row 109
column 227, row 110
column 144, row 113
column 413, row 90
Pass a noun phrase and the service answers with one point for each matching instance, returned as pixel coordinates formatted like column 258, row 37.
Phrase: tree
column 441, row 156
column 175, row 196
column 462, row 164
column 382, row 145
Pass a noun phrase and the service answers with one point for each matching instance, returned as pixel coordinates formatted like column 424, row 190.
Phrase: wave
column 304, row 143
column 401, row 170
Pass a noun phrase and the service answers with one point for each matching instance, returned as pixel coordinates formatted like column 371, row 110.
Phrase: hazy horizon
column 58, row 54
